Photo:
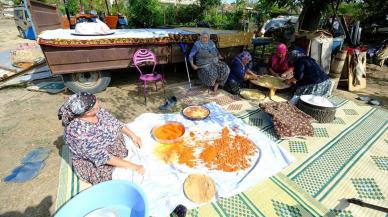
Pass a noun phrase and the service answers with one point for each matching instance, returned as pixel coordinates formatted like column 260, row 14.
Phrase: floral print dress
column 92, row 145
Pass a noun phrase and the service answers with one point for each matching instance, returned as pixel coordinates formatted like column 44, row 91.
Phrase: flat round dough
column 252, row 94
column 199, row 188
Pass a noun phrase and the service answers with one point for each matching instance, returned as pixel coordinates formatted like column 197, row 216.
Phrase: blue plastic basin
column 126, row 198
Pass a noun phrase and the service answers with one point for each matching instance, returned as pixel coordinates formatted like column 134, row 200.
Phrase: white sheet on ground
column 163, row 184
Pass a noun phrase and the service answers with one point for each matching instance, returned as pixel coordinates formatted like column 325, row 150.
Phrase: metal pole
column 183, row 48
column 67, row 13
column 107, row 7
column 27, row 7
column 188, row 74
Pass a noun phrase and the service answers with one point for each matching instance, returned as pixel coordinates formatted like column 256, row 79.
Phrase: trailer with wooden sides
column 83, row 61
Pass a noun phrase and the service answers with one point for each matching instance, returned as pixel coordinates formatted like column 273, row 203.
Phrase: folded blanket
column 288, row 120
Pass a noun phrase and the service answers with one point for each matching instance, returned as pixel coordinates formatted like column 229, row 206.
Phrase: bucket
column 338, row 64
column 337, row 44
column 111, row 21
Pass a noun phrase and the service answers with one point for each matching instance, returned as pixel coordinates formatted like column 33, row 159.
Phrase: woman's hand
column 118, row 162
column 139, row 169
column 137, row 141
column 195, row 67
column 290, row 81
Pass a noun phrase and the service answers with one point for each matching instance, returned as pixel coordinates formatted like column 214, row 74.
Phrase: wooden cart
column 83, row 65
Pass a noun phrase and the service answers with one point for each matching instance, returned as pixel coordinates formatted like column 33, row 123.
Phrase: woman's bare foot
column 213, row 93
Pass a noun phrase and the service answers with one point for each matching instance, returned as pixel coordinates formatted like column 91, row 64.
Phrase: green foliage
column 145, row 13
column 188, row 13
column 120, row 8
column 182, row 15
column 209, row 4
column 72, row 6
column 375, row 12
column 227, row 20
column 273, row 8
column 170, row 15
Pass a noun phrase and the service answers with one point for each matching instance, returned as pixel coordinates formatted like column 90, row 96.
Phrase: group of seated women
column 96, row 138
column 295, row 68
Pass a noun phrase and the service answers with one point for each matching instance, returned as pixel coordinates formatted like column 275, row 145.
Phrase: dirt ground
column 29, row 120
column 9, row 36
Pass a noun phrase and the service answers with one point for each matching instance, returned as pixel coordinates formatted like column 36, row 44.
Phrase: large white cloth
column 163, row 184
column 118, row 33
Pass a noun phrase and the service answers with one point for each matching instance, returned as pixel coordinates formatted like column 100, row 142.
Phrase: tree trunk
column 311, row 14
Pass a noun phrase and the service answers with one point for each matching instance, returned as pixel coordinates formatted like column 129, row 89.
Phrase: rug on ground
column 346, row 158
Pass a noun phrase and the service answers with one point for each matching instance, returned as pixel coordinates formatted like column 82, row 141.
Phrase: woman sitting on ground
column 211, row 70
column 95, row 139
column 239, row 73
column 278, row 64
column 309, row 78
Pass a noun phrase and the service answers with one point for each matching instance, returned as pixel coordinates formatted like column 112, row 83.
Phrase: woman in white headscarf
column 211, row 70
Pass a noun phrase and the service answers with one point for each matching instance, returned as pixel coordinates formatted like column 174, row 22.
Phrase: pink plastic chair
column 145, row 56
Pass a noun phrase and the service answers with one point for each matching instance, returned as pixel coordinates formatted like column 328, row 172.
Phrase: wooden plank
column 88, row 67
column 60, row 56
column 8, row 75
column 26, row 78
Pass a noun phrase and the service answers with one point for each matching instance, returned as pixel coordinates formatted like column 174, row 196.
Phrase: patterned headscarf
column 245, row 55
column 76, row 105
column 208, row 46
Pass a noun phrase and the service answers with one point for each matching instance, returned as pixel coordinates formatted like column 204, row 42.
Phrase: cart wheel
column 92, row 82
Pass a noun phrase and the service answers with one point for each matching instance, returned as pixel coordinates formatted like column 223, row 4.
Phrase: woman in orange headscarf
column 278, row 65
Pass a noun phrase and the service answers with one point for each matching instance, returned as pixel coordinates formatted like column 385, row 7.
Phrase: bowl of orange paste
column 169, row 132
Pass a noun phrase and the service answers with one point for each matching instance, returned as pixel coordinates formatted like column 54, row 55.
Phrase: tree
column 145, row 13
column 312, row 13
column 207, row 4
column 72, row 6
column 375, row 11
column 270, row 8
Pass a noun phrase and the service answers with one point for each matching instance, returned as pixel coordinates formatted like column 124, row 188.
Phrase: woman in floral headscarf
column 95, row 139
column 211, row 70
column 240, row 73
column 278, row 65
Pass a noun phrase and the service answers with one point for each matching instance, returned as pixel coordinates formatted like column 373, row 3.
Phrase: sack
column 92, row 28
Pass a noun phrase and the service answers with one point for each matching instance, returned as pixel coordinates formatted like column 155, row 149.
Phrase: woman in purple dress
column 95, row 139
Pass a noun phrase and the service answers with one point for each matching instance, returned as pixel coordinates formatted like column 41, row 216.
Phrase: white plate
column 317, row 101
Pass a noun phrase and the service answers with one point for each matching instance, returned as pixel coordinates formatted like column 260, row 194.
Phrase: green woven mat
column 347, row 158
